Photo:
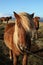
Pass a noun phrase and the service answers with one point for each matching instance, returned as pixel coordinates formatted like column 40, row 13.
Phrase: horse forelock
column 26, row 21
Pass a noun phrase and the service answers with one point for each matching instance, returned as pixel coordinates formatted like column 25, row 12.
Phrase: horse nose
column 22, row 47
column 25, row 47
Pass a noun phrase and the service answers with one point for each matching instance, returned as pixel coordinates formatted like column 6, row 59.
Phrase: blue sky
column 8, row 6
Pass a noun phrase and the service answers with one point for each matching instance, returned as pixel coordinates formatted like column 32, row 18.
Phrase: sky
column 30, row 6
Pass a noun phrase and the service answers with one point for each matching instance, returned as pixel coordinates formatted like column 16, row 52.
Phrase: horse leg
column 36, row 34
column 14, row 59
column 33, row 32
column 24, row 60
column 11, row 54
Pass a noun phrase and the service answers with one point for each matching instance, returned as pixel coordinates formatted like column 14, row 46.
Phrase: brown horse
column 8, row 18
column 17, row 36
column 36, row 25
column 5, row 19
column 2, row 19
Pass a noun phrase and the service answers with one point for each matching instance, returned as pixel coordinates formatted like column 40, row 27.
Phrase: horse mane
column 26, row 22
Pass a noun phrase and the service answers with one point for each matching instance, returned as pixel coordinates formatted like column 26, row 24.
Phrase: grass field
column 32, row 60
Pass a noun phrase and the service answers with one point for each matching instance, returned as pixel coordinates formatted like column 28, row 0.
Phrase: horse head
column 23, row 25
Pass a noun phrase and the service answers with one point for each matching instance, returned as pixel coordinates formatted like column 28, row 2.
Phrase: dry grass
column 31, row 59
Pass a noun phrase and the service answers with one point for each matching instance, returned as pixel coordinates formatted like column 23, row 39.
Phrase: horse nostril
column 25, row 47
column 21, row 47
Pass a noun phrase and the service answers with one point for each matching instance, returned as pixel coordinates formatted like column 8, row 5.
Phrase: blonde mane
column 15, row 36
column 26, row 21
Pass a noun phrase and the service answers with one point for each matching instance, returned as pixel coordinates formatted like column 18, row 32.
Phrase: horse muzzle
column 23, row 49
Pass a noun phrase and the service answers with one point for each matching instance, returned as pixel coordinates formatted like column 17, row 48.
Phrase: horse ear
column 16, row 16
column 32, row 15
